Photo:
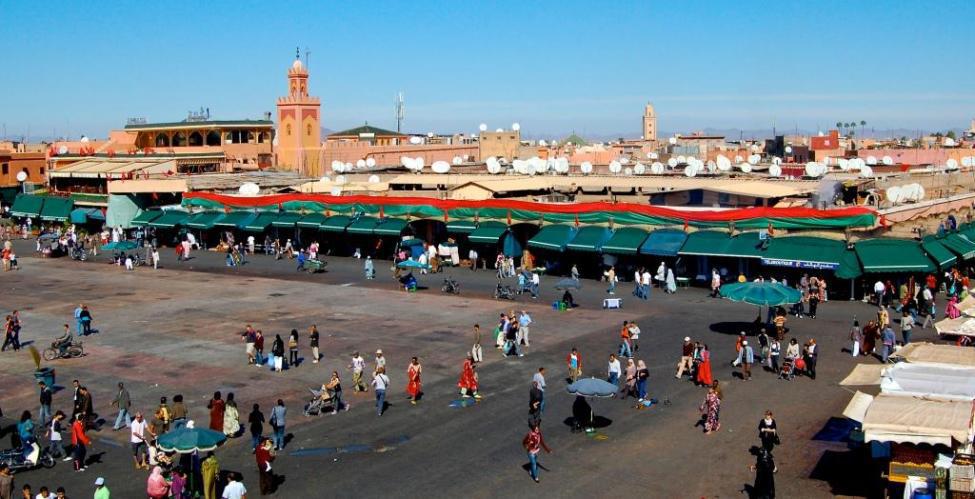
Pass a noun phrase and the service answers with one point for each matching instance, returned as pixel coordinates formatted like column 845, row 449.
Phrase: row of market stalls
column 921, row 421
column 54, row 209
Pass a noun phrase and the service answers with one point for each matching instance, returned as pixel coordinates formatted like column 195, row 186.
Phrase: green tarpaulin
column 27, row 205
column 959, row 244
column 335, row 223
column 312, row 221
column 145, row 217
column 363, row 225
column 57, row 209
column 892, row 255
column 203, row 220
column 235, row 219
column 849, row 266
column 489, row 232
column 625, row 241
column 663, row 242
column 942, row 256
column 714, row 243
column 804, row 252
column 390, row 227
column 122, row 208
column 84, row 215
column 461, row 226
column 260, row 222
column 590, row 238
column 553, row 237
column 286, row 220
column 169, row 219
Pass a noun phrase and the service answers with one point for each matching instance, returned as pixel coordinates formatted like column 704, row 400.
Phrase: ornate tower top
column 649, row 111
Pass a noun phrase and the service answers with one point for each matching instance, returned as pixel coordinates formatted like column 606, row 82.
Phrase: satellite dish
column 657, row 168
column 63, row 150
column 967, row 161
column 813, row 169
column 745, row 167
column 493, row 167
column 21, row 176
column 84, row 139
column 639, row 169
column 866, row 171
column 360, row 163
column 754, row 159
column 888, row 160
column 430, row 134
column 775, row 170
column 416, row 140
column 499, row 130
column 408, row 162
column 338, row 166
column 690, row 171
column 739, row 159
column 420, row 163
column 542, row 143
column 336, row 191
column 628, row 171
column 754, row 147
column 373, row 179
column 347, row 167
column 712, row 166
column 652, row 155
column 516, row 126
column 624, row 161
column 564, row 165
column 585, row 167
column 920, row 192
column 482, row 127
column 871, row 160
column 672, row 140
column 341, row 180
column 370, row 162
column 615, row 166
column 724, row 164
column 893, row 194
column 456, row 160
column 951, row 164
column 844, row 164
column 249, row 189
column 672, row 162
column 440, row 167
column 788, row 149
column 950, row 142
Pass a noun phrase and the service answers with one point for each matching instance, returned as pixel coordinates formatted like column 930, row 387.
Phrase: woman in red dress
column 468, row 379
column 704, row 368
column 216, row 407
column 414, row 387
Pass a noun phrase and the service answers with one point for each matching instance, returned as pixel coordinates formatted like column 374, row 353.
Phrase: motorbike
column 78, row 253
column 450, row 286
column 37, row 458
column 503, row 292
column 69, row 351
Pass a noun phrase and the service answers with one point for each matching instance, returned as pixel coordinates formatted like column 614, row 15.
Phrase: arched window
column 288, row 130
column 213, row 138
column 308, row 130
column 262, row 137
column 162, row 140
column 196, row 139
column 179, row 139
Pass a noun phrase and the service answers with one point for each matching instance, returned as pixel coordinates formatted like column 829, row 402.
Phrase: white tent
column 937, row 354
column 905, row 419
column 936, row 381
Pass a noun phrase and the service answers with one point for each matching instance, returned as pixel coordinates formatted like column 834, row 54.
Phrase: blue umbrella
column 412, row 264
column 592, row 387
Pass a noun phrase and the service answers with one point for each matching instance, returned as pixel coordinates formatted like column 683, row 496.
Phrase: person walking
column 235, row 488
column 231, row 417
column 255, row 423
column 533, row 444
column 887, row 338
column 468, row 379
column 209, row 472
column 293, row 348
column 259, row 348
column 629, row 383
column 611, row 280
column 746, row 357
column 907, row 324
column 524, row 321
column 574, row 363
column 535, row 398
column 86, row 318
column 101, row 490
column 178, row 412
column 634, row 331
column 810, row 354
column 626, row 349
column 264, row 456
column 539, row 379
column 613, row 370
column 710, row 408
column 703, row 376
column 768, row 432
column 277, row 352
column 249, row 336
column 46, row 395
column 217, row 407
column 686, row 361
column 380, row 382
column 476, row 352
column 138, row 433
column 413, row 386
column 856, row 336
column 715, row 283
column 775, row 351
column 358, row 365
column 334, row 388
column 55, row 445
column 79, row 442
column 313, row 337
column 642, row 375
column 278, row 419
column 79, row 326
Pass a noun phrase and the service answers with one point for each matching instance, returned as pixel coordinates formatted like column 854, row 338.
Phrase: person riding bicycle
column 63, row 342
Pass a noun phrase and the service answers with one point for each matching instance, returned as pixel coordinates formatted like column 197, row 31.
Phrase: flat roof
column 201, row 124
column 114, row 168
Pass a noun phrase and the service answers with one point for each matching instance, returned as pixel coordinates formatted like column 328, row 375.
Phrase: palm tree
column 839, row 124
column 863, row 124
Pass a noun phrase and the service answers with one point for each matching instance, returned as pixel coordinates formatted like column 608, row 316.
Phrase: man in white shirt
column 472, row 256
column 539, row 379
column 878, row 291
column 524, row 324
column 613, row 370
column 234, row 489
column 536, row 281
column 634, row 335
column 647, row 281
column 137, row 439
column 929, row 309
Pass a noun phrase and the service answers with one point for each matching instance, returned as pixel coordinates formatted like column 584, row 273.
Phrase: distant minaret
column 649, row 123
column 299, row 123
column 400, row 112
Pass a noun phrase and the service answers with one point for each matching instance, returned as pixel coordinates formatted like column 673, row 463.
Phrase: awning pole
column 852, row 297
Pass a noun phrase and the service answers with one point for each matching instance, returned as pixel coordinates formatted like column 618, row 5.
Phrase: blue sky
column 554, row 67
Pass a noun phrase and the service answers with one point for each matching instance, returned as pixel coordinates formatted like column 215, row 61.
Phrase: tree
column 863, row 123
column 951, row 134
column 839, row 125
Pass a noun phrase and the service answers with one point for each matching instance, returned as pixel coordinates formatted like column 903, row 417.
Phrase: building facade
column 299, row 125
column 649, row 123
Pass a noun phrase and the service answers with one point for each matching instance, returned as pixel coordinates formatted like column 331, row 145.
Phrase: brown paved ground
column 176, row 331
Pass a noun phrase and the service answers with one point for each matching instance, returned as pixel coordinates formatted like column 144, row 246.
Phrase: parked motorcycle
column 37, row 458
column 503, row 292
column 78, row 253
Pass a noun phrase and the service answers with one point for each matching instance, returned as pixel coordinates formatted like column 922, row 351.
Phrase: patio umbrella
column 48, row 235
column 120, row 246
column 568, row 283
column 188, row 439
column 412, row 264
column 771, row 294
column 592, row 387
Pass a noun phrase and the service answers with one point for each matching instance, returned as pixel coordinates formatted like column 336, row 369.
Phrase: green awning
column 590, row 238
column 805, row 252
column 84, row 215
column 169, row 219
column 553, row 237
column 145, row 217
column 390, row 227
column 203, row 220
column 663, row 242
column 714, row 243
column 27, row 205
column 335, row 223
column 260, row 222
column 625, row 241
column 235, row 219
column 313, row 221
column 489, row 232
column 941, row 255
column 286, row 220
column 849, row 266
column 57, row 209
column 461, row 226
column 892, row 255
column 363, row 225
column 960, row 244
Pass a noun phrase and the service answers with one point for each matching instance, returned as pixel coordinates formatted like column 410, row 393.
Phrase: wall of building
column 918, row 156
column 350, row 152
column 13, row 162
column 503, row 144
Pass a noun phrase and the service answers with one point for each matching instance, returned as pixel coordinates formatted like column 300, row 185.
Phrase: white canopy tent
column 908, row 419
column 940, row 381
column 930, row 353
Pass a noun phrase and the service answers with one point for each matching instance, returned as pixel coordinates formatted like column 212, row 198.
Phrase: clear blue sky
column 84, row 67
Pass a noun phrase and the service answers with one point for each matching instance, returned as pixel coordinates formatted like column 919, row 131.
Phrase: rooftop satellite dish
column 739, row 159
column 950, row 142
column 341, row 180
column 628, row 171
column 775, row 170
column 585, row 168
column 360, row 163
column 888, row 160
column 370, row 162
column 249, row 189
column 754, row 159
column 951, row 164
column 871, row 160
column 724, row 164
column 84, row 139
column 653, row 155
column 690, row 171
column 968, row 161
column 457, row 160
column 844, row 164
column 681, row 160
column 745, row 167
column 813, row 169
column 440, row 167
column 893, row 194
column 63, row 150
column 920, row 192
column 563, row 165
column 866, row 171
column 499, row 130
column 639, row 169
column 516, row 126
column 672, row 140
column 657, row 168
column 373, row 179
column 416, row 140
column 821, row 133
column 624, row 161
column 615, row 166
column 430, row 134
column 482, row 127
column 336, row 191
column 338, row 167
column 672, row 162
column 21, row 176
column 712, row 166
column 788, row 149
column 754, row 148
column 502, row 160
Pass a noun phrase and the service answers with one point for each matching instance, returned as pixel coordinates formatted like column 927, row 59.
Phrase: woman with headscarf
column 704, row 367
column 468, row 379
column 231, row 417
column 764, row 469
column 157, row 487
column 216, row 406
column 414, row 386
column 277, row 350
column 710, row 408
column 642, row 375
column 629, row 385
column 661, row 274
column 671, row 281
column 293, row 348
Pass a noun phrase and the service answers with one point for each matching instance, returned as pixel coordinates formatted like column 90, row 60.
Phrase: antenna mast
column 400, row 107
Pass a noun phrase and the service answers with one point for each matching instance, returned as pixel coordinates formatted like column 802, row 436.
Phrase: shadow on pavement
column 849, row 473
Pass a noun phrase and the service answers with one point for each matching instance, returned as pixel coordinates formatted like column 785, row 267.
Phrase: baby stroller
column 450, row 286
column 788, row 369
column 316, row 406
column 503, row 292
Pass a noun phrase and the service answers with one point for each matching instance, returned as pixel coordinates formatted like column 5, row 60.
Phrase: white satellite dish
column 336, row 191
column 672, row 140
column 657, row 168
column 754, row 147
column 84, row 139
column 893, row 194
column 360, row 163
column 920, row 192
column 416, row 140
column 813, row 169
column 482, row 127
column 844, row 164
column 950, row 142
column 746, row 167
column 564, row 165
column 63, row 150
column 866, row 171
column 348, row 167
column 724, row 164
column 456, row 160
column 408, row 162
column 624, row 161
column 373, row 179
column 639, row 169
column 249, row 189
column 440, row 167
column 951, row 164
column 788, row 149
column 420, row 163
column 542, row 143
column 615, row 166
column 652, row 155
column 775, row 170
column 341, row 180
column 887, row 160
column 967, row 161
column 672, row 162
column 628, row 171
column 493, row 167
column 338, row 167
column 498, row 130
column 370, row 162
column 430, row 135
column 21, row 176
column 681, row 160
column 712, row 166
column 690, row 170
column 871, row 160
column 585, row 168
column 516, row 126
column 754, row 159
column 739, row 159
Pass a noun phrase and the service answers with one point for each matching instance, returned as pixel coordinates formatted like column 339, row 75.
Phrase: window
column 6, row 168
column 288, row 130
column 308, row 130
column 42, row 170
